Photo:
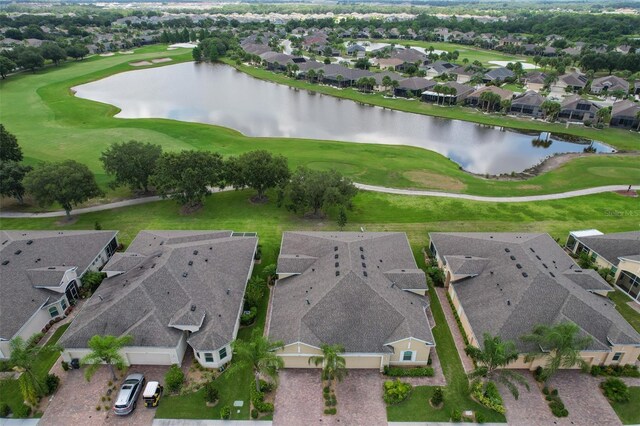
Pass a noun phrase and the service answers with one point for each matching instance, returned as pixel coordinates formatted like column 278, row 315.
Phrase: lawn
column 10, row 390
column 629, row 412
column 69, row 127
column 631, row 315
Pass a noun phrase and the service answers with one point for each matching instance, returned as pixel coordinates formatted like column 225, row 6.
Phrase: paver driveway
column 299, row 399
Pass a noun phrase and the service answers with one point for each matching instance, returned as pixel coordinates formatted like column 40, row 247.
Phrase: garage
column 149, row 358
column 297, row 362
column 354, row 362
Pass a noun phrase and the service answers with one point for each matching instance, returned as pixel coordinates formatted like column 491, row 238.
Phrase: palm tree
column 23, row 359
column 453, row 92
column 311, row 75
column 339, row 79
column 320, row 75
column 561, row 344
column 386, row 82
column 258, row 354
column 334, row 365
column 105, row 350
column 491, row 361
column 394, row 86
column 438, row 89
column 604, row 115
column 550, row 109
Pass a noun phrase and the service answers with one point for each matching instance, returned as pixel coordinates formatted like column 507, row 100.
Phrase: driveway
column 299, row 399
column 75, row 401
column 578, row 391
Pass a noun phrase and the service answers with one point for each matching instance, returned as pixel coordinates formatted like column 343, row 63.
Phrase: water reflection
column 218, row 94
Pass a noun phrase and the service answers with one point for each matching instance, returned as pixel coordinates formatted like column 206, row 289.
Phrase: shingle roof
column 503, row 93
column 40, row 250
column 529, row 98
column 499, row 74
column 182, row 278
column 502, row 301
column 416, row 83
column 625, row 108
column 613, row 246
column 361, row 312
column 611, row 82
column 574, row 79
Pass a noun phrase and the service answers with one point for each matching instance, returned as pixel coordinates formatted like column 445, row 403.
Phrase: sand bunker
column 161, row 60
column 183, row 45
column 140, row 63
column 127, row 52
column 107, row 54
column 525, row 65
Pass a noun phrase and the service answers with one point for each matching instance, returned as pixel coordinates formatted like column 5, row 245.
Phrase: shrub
column 98, row 408
column 409, row 372
column 326, row 389
column 173, row 379
column 90, row 282
column 255, row 290
column 51, row 384
column 257, row 399
column 225, row 413
column 255, row 413
column 615, row 390
column 558, row 409
column 396, row 391
column 628, row 370
column 266, row 387
column 248, row 317
column 456, row 415
column 438, row 397
column 488, row 396
column 537, row 374
column 65, row 366
column 479, row 417
column 5, row 410
column 211, row 394
column 545, row 390
column 5, row 365
column 22, row 412
column 330, row 411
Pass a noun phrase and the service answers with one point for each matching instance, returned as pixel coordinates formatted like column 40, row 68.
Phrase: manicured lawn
column 631, row 315
column 629, row 412
column 75, row 128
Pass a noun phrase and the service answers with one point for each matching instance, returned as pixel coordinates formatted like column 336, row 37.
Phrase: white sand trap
column 161, row 60
column 171, row 48
column 140, row 63
column 127, row 52
column 525, row 65
column 107, row 54
column 183, row 45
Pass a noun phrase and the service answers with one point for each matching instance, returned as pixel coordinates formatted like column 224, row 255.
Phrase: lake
column 220, row 95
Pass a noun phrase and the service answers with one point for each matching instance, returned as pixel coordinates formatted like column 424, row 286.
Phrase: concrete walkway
column 184, row 422
column 467, row 363
column 362, row 186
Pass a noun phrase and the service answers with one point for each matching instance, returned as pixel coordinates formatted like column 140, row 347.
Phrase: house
column 342, row 76
column 474, row 98
column 41, row 274
column 438, row 68
column 170, row 290
column 379, row 76
column 609, row 84
column 461, row 93
column 505, row 284
column 409, row 57
column 354, row 49
column 360, row 290
column 277, row 61
column 624, row 49
column 636, row 87
column 535, row 81
column 574, row 81
column 388, row 63
column 572, row 51
column 574, row 108
column 625, row 114
column 413, row 86
column 462, row 74
column 527, row 104
column 497, row 75
column 619, row 252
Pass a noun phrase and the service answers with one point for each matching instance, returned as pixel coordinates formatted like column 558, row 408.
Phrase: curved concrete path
column 362, row 186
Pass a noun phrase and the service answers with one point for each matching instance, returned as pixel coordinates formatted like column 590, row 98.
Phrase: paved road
column 372, row 188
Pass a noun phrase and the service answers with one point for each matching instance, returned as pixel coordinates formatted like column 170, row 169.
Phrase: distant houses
column 529, row 103
column 625, row 114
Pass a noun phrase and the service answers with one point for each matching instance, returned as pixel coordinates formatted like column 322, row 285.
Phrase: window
column 64, row 304
column 53, row 311
column 222, row 353
column 618, row 356
column 208, row 357
column 407, row 356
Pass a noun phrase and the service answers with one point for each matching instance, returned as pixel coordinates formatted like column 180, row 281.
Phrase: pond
column 221, row 95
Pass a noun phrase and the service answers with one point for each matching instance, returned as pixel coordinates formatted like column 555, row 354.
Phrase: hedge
column 488, row 396
column 409, row 372
column 615, row 370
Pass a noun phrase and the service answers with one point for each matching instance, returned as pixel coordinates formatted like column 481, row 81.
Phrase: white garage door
column 363, row 361
column 154, row 358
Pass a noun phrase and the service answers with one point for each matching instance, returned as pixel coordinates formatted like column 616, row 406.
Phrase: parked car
column 128, row 395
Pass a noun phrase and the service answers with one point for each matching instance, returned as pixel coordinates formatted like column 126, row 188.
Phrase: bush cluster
column 615, row 370
column 615, row 390
column 23, row 411
column 225, row 412
column 456, row 415
column 211, row 393
column 488, row 396
column 254, row 293
column 90, row 282
column 455, row 314
column 479, row 417
column 174, row 378
column 51, row 384
column 330, row 411
column 409, row 372
column 555, row 403
column 5, row 410
column 396, row 391
column 438, row 397
column 249, row 317
column 257, row 399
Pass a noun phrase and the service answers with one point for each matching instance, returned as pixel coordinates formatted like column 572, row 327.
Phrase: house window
column 594, row 256
column 223, row 353
column 618, row 356
column 53, row 311
column 64, row 304
column 208, row 357
column 408, row 355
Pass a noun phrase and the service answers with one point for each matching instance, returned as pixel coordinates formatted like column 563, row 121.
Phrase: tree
column 196, row 53
column 187, row 176
column 9, row 148
column 23, row 359
column 333, row 364
column 68, row 183
column 30, row 59
column 318, row 190
column 386, row 82
column 550, row 109
column 53, row 52
column 604, row 115
column 561, row 344
column 492, row 360
column 77, row 51
column 12, row 174
column 6, row 66
column 258, row 354
column 259, row 170
column 505, row 105
column 131, row 163
column 342, row 218
column 105, row 350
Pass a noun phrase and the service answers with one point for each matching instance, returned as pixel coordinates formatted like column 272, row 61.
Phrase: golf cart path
column 364, row 187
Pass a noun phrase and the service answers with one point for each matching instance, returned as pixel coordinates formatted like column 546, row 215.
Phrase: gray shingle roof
column 361, row 312
column 529, row 98
column 416, row 83
column 499, row 74
column 625, row 108
column 502, row 301
column 40, row 250
column 613, row 246
column 159, row 292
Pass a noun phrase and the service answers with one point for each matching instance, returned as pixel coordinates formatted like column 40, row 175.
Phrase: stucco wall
column 463, row 317
column 421, row 350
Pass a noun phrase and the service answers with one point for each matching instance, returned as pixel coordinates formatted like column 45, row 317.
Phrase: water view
column 221, row 95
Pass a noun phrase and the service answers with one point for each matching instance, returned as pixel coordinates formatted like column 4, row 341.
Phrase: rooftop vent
column 153, row 266
column 210, row 248
column 361, row 249
column 467, row 257
column 519, row 266
column 538, row 257
column 161, row 243
column 364, row 265
column 362, row 256
column 512, row 257
column 545, row 266
column 18, row 252
column 552, row 274
column 193, row 308
column 578, row 270
column 195, row 252
column 335, row 248
column 51, row 267
column 337, row 273
column 206, row 260
column 29, row 242
column 228, row 291
column 524, row 274
column 307, row 301
column 337, row 264
column 508, row 302
column 336, row 256
column 190, row 262
column 507, row 250
column 6, row 262
column 365, row 273
column 532, row 250
column 184, row 274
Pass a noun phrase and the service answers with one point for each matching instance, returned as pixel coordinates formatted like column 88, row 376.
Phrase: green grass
column 631, row 315
column 10, row 390
column 68, row 127
column 629, row 412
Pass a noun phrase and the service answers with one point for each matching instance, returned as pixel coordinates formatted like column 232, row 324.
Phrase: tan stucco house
column 170, row 291
column 360, row 290
column 40, row 276
column 506, row 283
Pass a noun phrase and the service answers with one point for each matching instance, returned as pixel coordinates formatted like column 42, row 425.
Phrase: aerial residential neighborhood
column 320, row 213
